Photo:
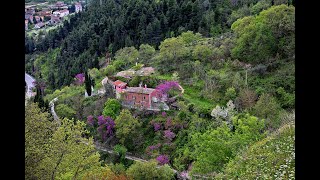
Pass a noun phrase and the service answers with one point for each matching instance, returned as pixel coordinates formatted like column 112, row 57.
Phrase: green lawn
column 192, row 95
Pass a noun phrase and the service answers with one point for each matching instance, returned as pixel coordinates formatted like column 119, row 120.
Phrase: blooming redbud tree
column 163, row 159
column 79, row 79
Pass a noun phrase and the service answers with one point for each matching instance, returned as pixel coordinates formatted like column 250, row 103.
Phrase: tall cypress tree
column 87, row 82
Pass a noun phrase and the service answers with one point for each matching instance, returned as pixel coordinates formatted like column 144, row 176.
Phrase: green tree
column 69, row 154
column 38, row 130
column 94, row 73
column 268, row 108
column 231, row 93
column 172, row 52
column 88, row 83
column 109, row 70
column 150, row 171
column 112, row 108
column 64, row 110
column 214, row 148
column 264, row 36
column 203, row 53
column 121, row 151
column 146, row 52
column 128, row 55
column 273, row 156
column 127, row 127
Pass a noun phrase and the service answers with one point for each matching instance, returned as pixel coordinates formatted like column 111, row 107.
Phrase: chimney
column 145, row 86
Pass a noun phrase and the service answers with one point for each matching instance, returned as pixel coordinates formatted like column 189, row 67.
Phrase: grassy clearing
column 193, row 96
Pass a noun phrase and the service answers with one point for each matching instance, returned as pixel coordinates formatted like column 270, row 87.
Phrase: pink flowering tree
column 79, row 79
column 163, row 159
column 152, row 149
column 157, row 126
column 90, row 120
column 168, row 134
column 165, row 87
column 105, row 125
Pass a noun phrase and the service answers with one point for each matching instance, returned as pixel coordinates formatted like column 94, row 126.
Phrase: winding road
column 29, row 79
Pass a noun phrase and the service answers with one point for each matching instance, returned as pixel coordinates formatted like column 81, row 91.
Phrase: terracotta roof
column 119, row 83
column 140, row 90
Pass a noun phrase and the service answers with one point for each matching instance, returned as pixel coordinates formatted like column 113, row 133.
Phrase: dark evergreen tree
column 87, row 82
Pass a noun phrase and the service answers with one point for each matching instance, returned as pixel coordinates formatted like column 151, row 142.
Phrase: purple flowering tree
column 169, row 135
column 167, row 86
column 163, row 159
column 168, row 124
column 151, row 149
column 164, row 114
column 90, row 120
column 105, row 125
column 79, row 79
column 156, row 126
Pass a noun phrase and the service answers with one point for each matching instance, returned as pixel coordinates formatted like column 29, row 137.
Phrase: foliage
column 121, row 151
column 268, row 109
column 94, row 73
column 38, row 130
column 128, row 55
column 247, row 98
column 149, row 171
column 109, row 70
column 214, row 148
column 64, row 110
column 272, row 157
column 231, row 93
column 264, row 36
column 287, row 100
column 146, row 52
column 112, row 108
column 68, row 145
column 127, row 127
column 88, row 83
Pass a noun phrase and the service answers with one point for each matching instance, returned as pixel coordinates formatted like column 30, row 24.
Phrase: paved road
column 53, row 112
column 29, row 79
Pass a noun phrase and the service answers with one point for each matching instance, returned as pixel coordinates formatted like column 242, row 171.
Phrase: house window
column 144, row 97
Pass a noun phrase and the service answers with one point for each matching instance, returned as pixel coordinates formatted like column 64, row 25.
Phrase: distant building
column 55, row 20
column 78, row 7
column 29, row 11
column 44, row 13
column 28, row 17
column 60, row 4
column 26, row 22
column 64, row 12
column 37, row 18
column 39, row 25
column 61, row 13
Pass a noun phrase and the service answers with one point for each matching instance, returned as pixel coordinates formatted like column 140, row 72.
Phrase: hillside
column 198, row 93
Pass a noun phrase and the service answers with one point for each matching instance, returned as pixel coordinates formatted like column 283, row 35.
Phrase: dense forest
column 235, row 60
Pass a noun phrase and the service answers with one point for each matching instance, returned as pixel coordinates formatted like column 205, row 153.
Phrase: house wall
column 137, row 99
